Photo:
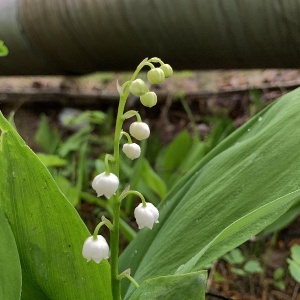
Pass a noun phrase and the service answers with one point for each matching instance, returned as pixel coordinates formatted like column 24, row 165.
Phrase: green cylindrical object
column 80, row 36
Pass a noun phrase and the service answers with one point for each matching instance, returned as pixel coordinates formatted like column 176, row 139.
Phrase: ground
column 234, row 94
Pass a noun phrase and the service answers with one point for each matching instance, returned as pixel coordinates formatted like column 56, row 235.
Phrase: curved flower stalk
column 107, row 183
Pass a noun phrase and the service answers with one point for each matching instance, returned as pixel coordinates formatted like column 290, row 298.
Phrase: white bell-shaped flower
column 132, row 150
column 139, row 130
column 146, row 216
column 95, row 249
column 105, row 184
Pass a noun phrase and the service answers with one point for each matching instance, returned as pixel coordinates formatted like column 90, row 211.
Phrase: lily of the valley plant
column 107, row 183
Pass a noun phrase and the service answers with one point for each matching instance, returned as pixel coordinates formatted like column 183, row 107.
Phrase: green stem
column 97, row 230
column 131, row 113
column 103, row 222
column 114, row 238
column 126, row 274
column 133, row 193
column 106, row 165
column 127, row 136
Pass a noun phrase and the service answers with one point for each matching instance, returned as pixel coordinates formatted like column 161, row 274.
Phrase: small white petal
column 146, row 216
column 95, row 249
column 139, row 130
column 132, row 150
column 105, row 184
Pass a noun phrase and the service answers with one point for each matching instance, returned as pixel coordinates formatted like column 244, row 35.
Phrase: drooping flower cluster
column 107, row 183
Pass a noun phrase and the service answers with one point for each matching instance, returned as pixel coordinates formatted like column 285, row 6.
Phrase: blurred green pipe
column 81, row 36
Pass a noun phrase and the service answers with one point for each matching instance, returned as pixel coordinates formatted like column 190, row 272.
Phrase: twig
column 210, row 277
column 218, row 296
column 295, row 293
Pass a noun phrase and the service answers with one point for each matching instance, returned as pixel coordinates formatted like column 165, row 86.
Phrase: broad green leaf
column 244, row 225
column 174, row 287
column 48, row 231
column 10, row 275
column 147, row 192
column 254, row 166
column 154, row 182
column 221, row 129
column 47, row 138
column 196, row 152
column 71, row 192
column 283, row 220
column 171, row 157
column 74, row 142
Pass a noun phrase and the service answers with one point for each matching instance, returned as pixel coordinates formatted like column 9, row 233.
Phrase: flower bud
column 139, row 130
column 146, row 216
column 132, row 151
column 105, row 184
column 167, row 69
column 149, row 99
column 95, row 249
column 138, row 87
column 156, row 75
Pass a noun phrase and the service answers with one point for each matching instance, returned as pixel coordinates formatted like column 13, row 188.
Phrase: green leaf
column 10, row 275
column 253, row 266
column 174, row 287
column 3, row 49
column 283, row 220
column 71, row 192
column 296, row 253
column 234, row 257
column 47, row 138
column 244, row 226
column 48, row 231
column 294, row 268
column 294, row 263
column 74, row 142
column 196, row 152
column 171, row 157
column 238, row 271
column 218, row 277
column 154, row 182
column 51, row 160
column 280, row 285
column 242, row 185
column 278, row 274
